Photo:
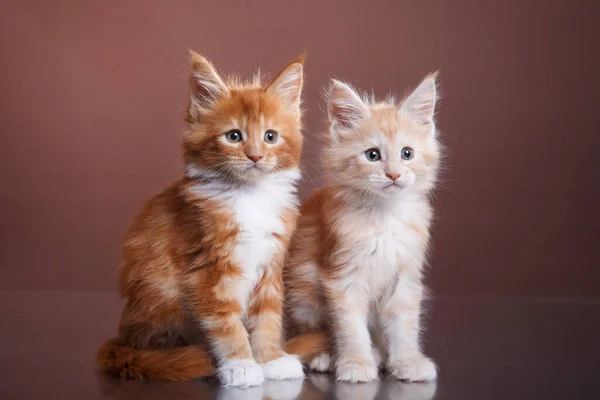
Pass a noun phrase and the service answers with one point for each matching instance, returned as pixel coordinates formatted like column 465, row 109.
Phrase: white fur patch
column 286, row 367
column 381, row 240
column 257, row 207
column 240, row 373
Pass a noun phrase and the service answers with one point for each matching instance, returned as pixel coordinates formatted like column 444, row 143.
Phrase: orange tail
column 186, row 363
column 178, row 364
column 308, row 346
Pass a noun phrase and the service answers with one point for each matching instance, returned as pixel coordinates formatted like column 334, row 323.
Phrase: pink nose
column 393, row 177
column 255, row 158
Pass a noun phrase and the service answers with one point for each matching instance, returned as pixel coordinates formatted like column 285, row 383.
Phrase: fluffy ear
column 345, row 108
column 206, row 86
column 420, row 104
column 288, row 84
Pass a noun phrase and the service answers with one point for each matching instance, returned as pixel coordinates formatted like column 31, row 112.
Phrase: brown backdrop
column 92, row 95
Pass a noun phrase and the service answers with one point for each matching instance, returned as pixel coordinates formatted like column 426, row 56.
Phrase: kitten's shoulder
column 158, row 210
column 314, row 202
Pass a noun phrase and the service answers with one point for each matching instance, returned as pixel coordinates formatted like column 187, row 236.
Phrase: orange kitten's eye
column 373, row 155
column 407, row 153
column 271, row 136
column 234, row 136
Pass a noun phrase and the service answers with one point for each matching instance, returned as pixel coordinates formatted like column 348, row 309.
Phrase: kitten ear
column 206, row 86
column 288, row 84
column 420, row 104
column 345, row 108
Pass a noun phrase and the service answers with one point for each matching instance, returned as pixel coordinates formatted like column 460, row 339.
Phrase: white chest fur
column 380, row 243
column 257, row 210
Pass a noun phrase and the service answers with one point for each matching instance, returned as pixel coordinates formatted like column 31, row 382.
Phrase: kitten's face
column 244, row 132
column 382, row 149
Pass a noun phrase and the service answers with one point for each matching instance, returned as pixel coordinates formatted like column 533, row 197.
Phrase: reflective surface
column 485, row 348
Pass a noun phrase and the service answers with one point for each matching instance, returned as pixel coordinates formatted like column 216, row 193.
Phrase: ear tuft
column 420, row 104
column 345, row 108
column 206, row 86
column 288, row 84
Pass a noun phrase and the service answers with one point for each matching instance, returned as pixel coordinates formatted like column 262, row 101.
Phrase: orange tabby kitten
column 202, row 263
column 356, row 259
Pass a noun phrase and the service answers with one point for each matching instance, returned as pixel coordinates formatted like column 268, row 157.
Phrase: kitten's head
column 242, row 131
column 384, row 148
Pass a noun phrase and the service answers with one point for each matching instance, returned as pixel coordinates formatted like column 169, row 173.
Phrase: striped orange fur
column 202, row 263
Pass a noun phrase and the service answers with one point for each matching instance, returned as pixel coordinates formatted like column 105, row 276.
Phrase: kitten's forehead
column 386, row 120
column 387, row 125
column 250, row 107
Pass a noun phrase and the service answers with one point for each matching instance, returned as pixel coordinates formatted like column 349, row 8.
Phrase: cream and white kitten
column 356, row 260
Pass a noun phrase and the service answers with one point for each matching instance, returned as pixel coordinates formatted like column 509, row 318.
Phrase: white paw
column 240, row 373
column 286, row 367
column 348, row 372
column 417, row 368
column 320, row 363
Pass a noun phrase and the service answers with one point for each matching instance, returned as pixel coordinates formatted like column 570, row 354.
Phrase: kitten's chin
column 391, row 190
column 254, row 172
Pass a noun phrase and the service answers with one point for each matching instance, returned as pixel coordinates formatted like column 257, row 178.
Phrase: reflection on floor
column 315, row 386
column 485, row 349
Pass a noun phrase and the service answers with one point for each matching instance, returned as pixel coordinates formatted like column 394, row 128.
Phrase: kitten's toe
column 418, row 368
column 240, row 373
column 286, row 367
column 356, row 372
column 320, row 363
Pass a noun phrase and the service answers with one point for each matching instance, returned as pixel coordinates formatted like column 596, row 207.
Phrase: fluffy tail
column 308, row 346
column 177, row 364
column 185, row 363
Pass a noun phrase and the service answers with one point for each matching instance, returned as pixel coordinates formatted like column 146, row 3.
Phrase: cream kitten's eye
column 407, row 153
column 271, row 136
column 234, row 136
column 373, row 155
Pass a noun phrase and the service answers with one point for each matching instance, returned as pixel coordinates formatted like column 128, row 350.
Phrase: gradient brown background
column 92, row 95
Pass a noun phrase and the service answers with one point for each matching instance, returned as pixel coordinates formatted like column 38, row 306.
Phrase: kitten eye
column 271, row 136
column 373, row 155
column 407, row 153
column 234, row 136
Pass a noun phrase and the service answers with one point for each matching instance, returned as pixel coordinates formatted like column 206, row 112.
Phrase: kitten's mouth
column 255, row 168
column 392, row 187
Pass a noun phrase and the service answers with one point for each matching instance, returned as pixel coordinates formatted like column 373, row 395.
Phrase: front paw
column 321, row 363
column 356, row 371
column 418, row 368
column 240, row 373
column 286, row 367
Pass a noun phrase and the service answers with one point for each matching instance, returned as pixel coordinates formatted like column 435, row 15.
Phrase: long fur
column 202, row 263
column 356, row 260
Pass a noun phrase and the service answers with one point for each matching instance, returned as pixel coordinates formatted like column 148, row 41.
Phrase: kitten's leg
column 221, row 319
column 321, row 363
column 400, row 315
column 349, row 318
column 266, row 332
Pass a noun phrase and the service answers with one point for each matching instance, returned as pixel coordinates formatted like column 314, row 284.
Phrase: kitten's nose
column 392, row 176
column 255, row 158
